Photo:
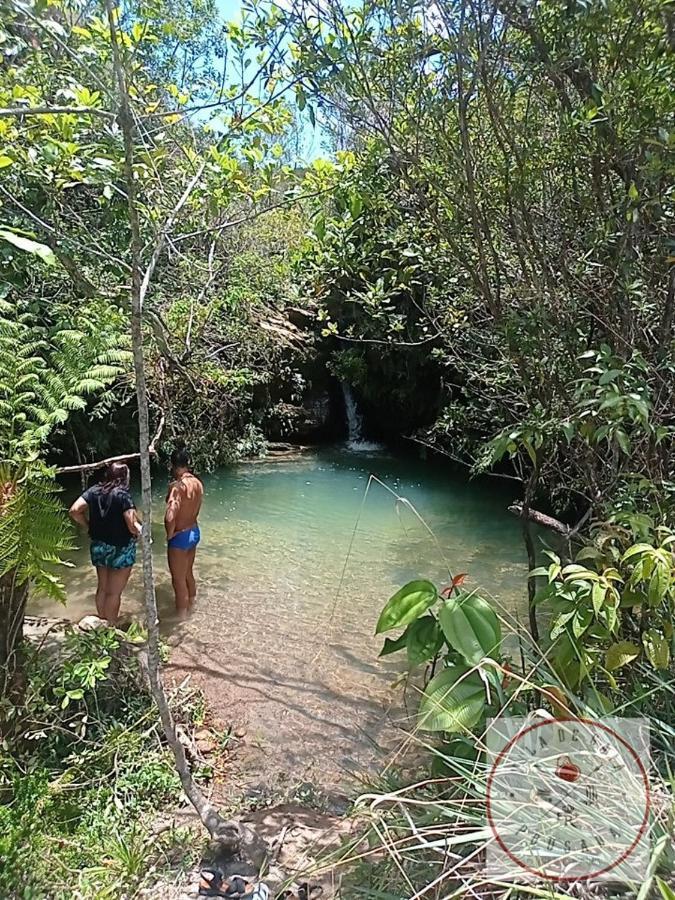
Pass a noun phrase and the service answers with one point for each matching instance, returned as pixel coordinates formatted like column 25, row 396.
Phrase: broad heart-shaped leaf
column 425, row 639
column 620, row 654
column 453, row 700
column 407, row 605
column 28, row 246
column 471, row 627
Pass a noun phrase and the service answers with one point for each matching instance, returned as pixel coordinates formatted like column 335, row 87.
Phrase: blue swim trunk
column 185, row 540
column 112, row 557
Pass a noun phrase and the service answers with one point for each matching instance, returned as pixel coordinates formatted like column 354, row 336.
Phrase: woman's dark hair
column 180, row 458
column 116, row 475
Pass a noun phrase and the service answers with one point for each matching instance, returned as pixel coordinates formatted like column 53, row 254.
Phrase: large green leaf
column 454, row 700
column 28, row 246
column 620, row 654
column 425, row 639
column 407, row 605
column 659, row 583
column 471, row 627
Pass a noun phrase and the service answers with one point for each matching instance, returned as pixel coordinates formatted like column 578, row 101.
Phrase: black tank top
column 106, row 514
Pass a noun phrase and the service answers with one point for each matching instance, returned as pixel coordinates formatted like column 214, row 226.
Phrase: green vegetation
column 495, row 267
column 433, row 830
column 87, row 776
column 487, row 259
column 47, row 371
column 66, row 238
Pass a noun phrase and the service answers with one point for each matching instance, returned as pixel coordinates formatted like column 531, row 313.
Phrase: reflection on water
column 293, row 569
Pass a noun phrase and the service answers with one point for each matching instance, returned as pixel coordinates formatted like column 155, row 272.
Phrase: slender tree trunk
column 13, row 600
column 530, row 491
column 226, row 832
column 668, row 311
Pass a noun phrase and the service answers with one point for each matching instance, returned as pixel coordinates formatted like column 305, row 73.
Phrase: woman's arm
column 78, row 512
column 133, row 523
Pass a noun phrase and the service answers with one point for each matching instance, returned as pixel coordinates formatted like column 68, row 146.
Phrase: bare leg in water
column 116, row 581
column 102, row 575
column 191, row 583
column 179, row 565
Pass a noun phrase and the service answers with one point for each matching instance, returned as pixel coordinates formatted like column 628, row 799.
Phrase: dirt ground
column 302, row 736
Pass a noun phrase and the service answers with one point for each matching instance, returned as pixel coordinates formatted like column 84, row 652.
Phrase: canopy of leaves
column 495, row 267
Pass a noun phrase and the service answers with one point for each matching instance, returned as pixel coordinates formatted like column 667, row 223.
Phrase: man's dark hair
column 180, row 458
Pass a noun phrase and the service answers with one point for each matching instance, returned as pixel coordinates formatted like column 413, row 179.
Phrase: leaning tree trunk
column 530, row 492
column 226, row 832
column 13, row 598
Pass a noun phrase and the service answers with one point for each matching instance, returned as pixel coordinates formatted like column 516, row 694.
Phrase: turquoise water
column 297, row 558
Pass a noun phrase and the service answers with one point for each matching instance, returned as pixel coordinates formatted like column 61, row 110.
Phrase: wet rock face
column 311, row 421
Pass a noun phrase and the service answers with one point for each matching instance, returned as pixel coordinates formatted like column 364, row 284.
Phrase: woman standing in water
column 108, row 511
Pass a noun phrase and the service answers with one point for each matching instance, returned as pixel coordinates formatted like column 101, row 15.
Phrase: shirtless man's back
column 183, row 504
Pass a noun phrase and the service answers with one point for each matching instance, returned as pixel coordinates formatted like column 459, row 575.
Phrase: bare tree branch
column 166, row 229
column 24, row 112
column 125, row 457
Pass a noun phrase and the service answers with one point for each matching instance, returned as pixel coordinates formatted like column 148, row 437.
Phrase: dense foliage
column 47, row 371
column 87, row 777
column 498, row 265
column 209, row 162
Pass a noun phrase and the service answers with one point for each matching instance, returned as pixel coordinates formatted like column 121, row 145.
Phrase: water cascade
column 355, row 423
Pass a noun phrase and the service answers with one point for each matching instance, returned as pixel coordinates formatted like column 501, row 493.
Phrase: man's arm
column 173, row 501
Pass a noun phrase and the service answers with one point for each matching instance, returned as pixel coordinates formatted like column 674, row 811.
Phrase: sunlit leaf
column 406, row 605
column 657, row 649
column 470, row 626
column 29, row 246
column 453, row 700
column 620, row 654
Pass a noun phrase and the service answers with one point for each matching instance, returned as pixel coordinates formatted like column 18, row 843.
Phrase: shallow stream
column 297, row 558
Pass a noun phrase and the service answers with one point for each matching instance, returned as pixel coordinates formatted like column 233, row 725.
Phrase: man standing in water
column 183, row 503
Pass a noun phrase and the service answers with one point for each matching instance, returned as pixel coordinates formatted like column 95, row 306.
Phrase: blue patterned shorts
column 112, row 557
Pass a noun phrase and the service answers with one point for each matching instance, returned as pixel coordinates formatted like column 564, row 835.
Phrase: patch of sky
column 309, row 139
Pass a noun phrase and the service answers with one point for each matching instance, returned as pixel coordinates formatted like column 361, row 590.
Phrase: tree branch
column 125, row 457
column 227, row 833
column 166, row 228
column 22, row 112
column 540, row 518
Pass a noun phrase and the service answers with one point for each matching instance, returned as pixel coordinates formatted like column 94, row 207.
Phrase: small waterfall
column 355, row 423
column 354, row 420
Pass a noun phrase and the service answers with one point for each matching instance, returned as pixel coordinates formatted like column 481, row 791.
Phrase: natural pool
column 294, row 568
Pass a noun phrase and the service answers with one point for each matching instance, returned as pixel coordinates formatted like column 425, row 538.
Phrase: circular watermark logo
column 568, row 799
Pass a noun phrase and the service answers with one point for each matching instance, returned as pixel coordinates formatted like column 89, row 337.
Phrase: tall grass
column 428, row 837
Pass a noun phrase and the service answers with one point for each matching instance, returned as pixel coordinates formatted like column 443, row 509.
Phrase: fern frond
column 41, row 381
column 90, row 386
column 103, row 373
column 34, row 529
column 73, row 401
